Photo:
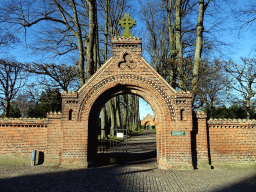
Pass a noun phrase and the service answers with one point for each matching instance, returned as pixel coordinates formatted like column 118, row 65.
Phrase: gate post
column 54, row 140
column 202, row 141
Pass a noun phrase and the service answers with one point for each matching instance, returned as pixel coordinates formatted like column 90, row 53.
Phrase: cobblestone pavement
column 140, row 175
column 142, row 149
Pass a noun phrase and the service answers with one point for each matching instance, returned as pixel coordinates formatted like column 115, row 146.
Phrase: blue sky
column 145, row 108
column 243, row 43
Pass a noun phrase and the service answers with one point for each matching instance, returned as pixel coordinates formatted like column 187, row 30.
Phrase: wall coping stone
column 69, row 94
column 54, row 115
column 125, row 38
column 231, row 121
column 24, row 121
column 201, row 115
column 181, row 94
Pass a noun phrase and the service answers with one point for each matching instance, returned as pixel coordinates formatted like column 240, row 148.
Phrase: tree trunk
column 172, row 72
column 137, row 113
column 112, row 116
column 248, row 99
column 96, row 52
column 103, row 122
column 179, row 47
column 118, row 115
column 7, row 108
column 126, row 112
column 199, row 44
column 103, row 110
column 90, row 65
column 78, row 35
column 106, row 31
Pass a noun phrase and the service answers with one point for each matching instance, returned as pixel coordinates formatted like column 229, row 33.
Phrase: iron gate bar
column 118, row 146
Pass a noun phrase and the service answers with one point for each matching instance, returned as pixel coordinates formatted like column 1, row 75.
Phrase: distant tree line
column 48, row 101
column 232, row 112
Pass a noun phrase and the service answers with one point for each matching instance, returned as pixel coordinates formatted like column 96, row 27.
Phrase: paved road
column 141, row 175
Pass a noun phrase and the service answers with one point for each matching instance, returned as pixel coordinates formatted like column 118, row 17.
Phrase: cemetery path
column 141, row 149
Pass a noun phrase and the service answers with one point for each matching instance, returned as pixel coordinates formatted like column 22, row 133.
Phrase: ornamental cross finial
column 127, row 22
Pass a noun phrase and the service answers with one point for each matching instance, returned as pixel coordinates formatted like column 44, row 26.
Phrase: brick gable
column 69, row 138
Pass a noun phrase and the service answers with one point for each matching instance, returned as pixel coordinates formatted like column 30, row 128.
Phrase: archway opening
column 115, row 132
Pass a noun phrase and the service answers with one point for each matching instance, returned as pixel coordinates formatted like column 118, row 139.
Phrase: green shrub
column 49, row 101
column 233, row 112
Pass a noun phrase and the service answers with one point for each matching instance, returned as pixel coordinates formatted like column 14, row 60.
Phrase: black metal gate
column 112, row 146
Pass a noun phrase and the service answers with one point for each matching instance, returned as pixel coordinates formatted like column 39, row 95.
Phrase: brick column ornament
column 122, row 45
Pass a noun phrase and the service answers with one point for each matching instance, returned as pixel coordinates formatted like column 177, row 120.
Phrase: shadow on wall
column 40, row 158
column 194, row 133
column 193, row 141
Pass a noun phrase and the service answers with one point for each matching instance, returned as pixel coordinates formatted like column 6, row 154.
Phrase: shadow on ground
column 96, row 179
column 248, row 184
column 117, row 178
column 125, row 159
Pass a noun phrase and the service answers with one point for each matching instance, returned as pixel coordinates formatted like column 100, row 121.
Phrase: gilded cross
column 127, row 22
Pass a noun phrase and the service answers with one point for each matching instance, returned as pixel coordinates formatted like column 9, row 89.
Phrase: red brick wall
column 232, row 141
column 19, row 137
column 54, row 139
column 225, row 142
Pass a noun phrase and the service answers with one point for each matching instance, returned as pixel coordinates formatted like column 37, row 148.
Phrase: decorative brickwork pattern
column 126, row 72
column 224, row 142
column 232, row 141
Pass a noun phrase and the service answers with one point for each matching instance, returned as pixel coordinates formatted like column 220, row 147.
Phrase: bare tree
column 24, row 101
column 7, row 39
column 213, row 85
column 157, row 36
column 243, row 81
column 246, row 15
column 12, row 79
column 66, row 23
column 61, row 76
column 170, row 31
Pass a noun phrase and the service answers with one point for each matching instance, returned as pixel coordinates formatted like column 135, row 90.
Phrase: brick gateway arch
column 64, row 139
column 127, row 72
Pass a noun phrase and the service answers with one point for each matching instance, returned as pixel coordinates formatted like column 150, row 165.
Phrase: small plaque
column 177, row 133
column 119, row 135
